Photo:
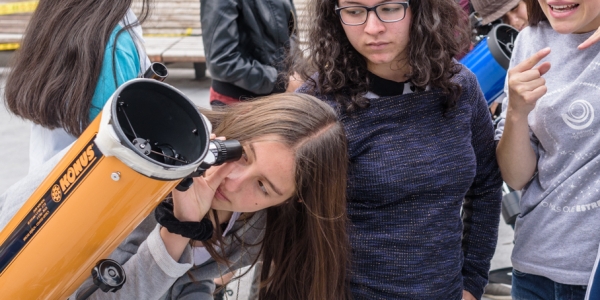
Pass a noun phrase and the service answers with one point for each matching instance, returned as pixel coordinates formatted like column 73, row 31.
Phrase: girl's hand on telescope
column 590, row 41
column 526, row 84
column 193, row 204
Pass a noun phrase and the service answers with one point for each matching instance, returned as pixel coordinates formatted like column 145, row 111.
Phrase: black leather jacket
column 245, row 43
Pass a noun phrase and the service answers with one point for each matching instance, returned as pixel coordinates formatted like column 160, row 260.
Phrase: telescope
column 490, row 58
column 146, row 140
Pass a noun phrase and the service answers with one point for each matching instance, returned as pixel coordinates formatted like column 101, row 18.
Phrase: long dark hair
column 535, row 14
column 305, row 248
column 438, row 33
column 54, row 73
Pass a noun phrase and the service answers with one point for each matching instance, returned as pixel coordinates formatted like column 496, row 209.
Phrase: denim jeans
column 533, row 287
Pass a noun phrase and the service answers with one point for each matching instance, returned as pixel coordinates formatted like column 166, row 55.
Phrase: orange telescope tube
column 106, row 184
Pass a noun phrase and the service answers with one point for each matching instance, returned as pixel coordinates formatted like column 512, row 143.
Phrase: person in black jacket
column 245, row 44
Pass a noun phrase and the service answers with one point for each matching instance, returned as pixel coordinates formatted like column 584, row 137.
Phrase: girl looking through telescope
column 283, row 202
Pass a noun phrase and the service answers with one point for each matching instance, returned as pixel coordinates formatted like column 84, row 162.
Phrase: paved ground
column 14, row 147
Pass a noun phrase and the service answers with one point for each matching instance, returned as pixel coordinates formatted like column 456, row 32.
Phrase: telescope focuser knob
column 108, row 275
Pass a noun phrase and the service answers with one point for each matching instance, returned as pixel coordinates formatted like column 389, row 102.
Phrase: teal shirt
column 127, row 64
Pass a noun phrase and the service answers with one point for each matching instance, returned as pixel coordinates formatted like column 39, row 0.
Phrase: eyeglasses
column 386, row 12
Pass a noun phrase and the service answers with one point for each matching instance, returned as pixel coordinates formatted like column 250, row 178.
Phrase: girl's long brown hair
column 535, row 14
column 54, row 73
column 438, row 33
column 305, row 248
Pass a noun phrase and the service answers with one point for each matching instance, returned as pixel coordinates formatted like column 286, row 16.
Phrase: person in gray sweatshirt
column 549, row 146
column 282, row 202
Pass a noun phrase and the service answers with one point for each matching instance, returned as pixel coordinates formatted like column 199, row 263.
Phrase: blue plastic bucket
column 490, row 58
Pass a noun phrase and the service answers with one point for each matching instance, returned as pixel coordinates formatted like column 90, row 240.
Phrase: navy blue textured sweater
column 410, row 169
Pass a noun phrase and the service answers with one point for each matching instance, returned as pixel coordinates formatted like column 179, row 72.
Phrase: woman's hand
column 295, row 81
column 193, row 204
column 468, row 296
column 590, row 41
column 514, row 153
column 526, row 84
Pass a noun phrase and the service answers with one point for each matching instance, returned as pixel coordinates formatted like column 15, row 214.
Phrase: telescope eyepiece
column 225, row 151
column 219, row 153
column 157, row 71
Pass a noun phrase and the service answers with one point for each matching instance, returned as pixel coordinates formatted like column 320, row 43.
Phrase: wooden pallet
column 171, row 18
column 172, row 32
column 168, row 18
column 13, row 24
column 303, row 20
column 178, row 49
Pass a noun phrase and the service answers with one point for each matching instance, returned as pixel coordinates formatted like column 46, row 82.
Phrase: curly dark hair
column 439, row 32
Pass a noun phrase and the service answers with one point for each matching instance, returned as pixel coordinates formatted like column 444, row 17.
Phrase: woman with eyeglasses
column 421, row 146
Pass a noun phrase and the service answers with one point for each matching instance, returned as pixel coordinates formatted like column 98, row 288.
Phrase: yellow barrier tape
column 187, row 32
column 18, row 7
column 9, row 46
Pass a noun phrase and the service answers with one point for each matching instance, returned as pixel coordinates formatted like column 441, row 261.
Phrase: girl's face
column 572, row 16
column 262, row 178
column 382, row 45
column 517, row 17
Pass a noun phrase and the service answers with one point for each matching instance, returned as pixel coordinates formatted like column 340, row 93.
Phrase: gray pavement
column 14, row 147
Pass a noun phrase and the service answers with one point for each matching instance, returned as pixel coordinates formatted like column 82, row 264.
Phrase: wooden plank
column 166, row 23
column 188, row 49
column 10, row 30
column 171, row 17
column 166, row 30
column 169, row 32
column 23, row 16
column 15, row 23
column 304, row 20
column 6, row 38
column 156, row 46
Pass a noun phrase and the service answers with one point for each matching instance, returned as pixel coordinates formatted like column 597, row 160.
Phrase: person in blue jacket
column 73, row 56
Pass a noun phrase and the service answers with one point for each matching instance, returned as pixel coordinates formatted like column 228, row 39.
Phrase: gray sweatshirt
column 150, row 270
column 153, row 274
column 556, row 235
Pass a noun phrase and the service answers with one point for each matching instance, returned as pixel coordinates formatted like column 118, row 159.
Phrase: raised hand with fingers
column 515, row 156
column 526, row 84
column 590, row 41
column 193, row 204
